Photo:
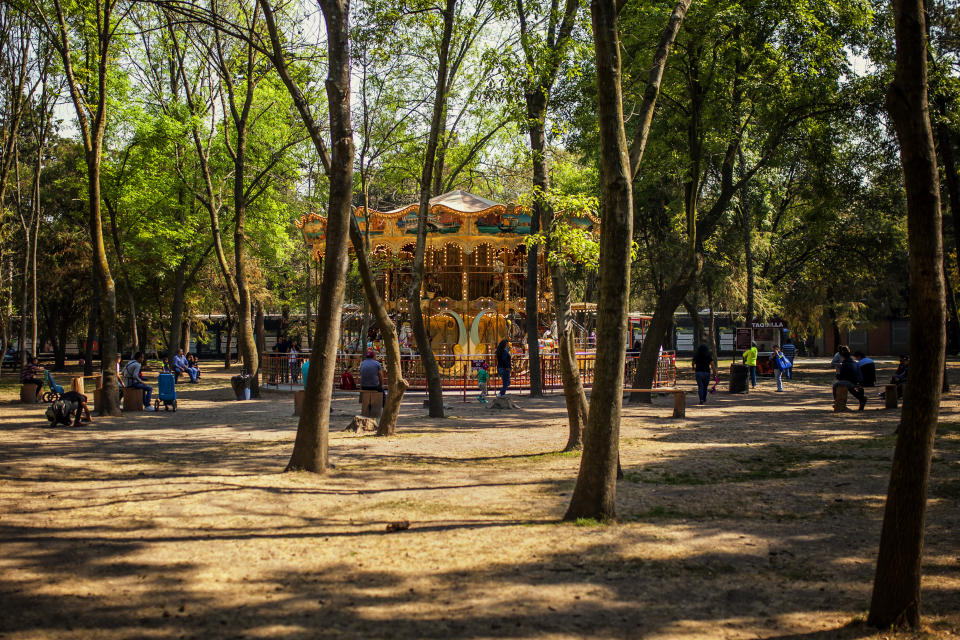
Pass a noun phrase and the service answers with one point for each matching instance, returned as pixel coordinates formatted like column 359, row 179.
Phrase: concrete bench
column 679, row 398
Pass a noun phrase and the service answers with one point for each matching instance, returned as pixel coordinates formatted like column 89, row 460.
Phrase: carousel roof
column 458, row 216
column 459, row 202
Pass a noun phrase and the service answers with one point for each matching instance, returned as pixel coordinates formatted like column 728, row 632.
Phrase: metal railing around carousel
column 458, row 373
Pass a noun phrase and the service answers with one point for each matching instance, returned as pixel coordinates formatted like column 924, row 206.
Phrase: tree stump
column 890, row 396
column 132, row 399
column 840, row 400
column 361, row 423
column 503, row 403
column 28, row 393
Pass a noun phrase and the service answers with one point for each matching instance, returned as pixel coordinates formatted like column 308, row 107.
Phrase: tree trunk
column 228, row 357
column 311, row 449
column 536, row 117
column 747, row 228
column 308, row 320
column 396, row 385
column 185, row 333
column 94, row 313
column 109, row 394
column 574, row 395
column 896, row 587
column 427, row 358
column 176, row 311
column 658, row 330
column 595, row 492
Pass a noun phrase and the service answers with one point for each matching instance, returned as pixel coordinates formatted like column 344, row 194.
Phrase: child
column 482, row 377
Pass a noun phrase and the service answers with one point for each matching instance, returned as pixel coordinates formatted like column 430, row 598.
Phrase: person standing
column 482, row 377
column 780, row 366
column 849, row 376
column 790, row 352
column 750, row 359
column 371, row 373
column 702, row 367
column 503, row 365
column 132, row 378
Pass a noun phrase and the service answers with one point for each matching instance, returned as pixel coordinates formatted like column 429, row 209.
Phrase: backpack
column 61, row 410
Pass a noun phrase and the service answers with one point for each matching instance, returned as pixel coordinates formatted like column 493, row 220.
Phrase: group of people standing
column 705, row 366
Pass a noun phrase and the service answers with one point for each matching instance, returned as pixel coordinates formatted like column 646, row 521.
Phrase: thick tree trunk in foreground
column 595, row 491
column 311, row 449
column 896, row 587
column 396, row 385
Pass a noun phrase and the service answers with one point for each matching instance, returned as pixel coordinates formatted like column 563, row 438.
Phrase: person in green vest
column 750, row 359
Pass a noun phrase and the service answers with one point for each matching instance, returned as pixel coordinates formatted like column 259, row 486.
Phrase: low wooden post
column 132, row 399
column 679, row 404
column 96, row 400
column 840, row 401
column 890, row 396
column 28, row 393
column 76, row 384
column 298, row 402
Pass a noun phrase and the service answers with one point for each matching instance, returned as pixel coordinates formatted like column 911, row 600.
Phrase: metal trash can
column 739, row 378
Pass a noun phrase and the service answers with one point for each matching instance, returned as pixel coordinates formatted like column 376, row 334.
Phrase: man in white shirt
column 131, row 379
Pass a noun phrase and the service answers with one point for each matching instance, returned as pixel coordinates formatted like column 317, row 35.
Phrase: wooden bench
column 76, row 383
column 679, row 398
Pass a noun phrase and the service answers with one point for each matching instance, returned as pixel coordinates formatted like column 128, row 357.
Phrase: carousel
column 475, row 269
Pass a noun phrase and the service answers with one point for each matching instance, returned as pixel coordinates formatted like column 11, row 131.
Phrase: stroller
column 166, row 393
column 55, row 390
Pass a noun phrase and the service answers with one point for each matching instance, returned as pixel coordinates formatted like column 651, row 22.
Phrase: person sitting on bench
column 182, row 365
column 849, row 377
column 69, row 403
column 132, row 378
column 868, row 369
column 900, row 376
column 29, row 375
column 194, row 362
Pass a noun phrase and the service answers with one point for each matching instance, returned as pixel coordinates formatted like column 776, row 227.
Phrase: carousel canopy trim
column 459, row 202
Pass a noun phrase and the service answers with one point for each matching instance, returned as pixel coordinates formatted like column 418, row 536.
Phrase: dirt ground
column 757, row 516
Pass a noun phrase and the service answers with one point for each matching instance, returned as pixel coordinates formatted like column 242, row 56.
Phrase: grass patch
column 588, row 522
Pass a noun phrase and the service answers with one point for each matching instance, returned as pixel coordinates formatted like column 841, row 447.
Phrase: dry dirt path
column 755, row 517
